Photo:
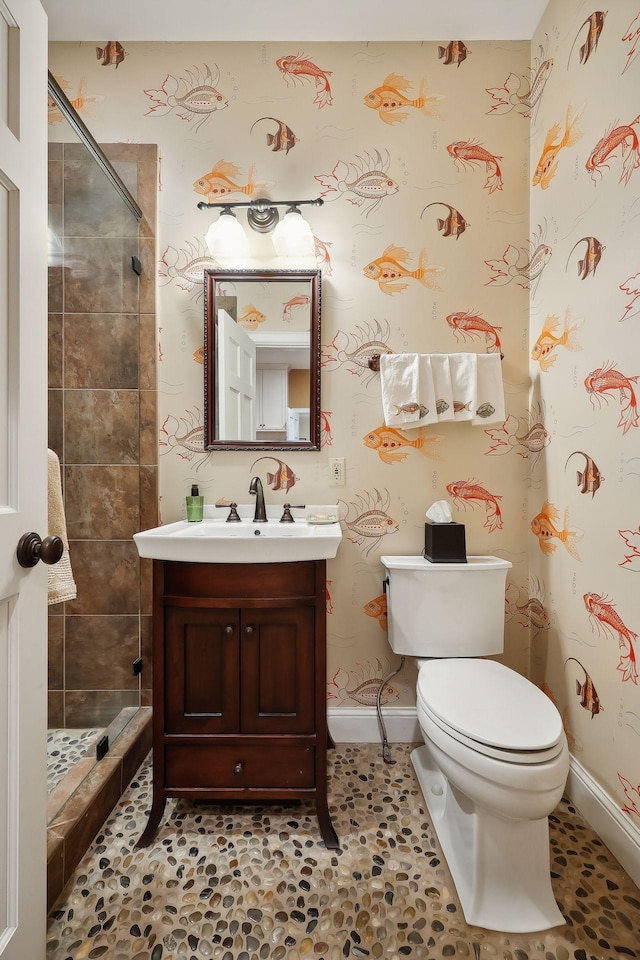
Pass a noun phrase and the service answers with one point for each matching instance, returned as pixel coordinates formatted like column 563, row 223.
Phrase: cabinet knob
column 238, row 769
column 248, row 631
column 228, row 631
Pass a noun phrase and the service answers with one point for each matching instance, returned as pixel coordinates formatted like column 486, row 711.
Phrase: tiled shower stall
column 102, row 425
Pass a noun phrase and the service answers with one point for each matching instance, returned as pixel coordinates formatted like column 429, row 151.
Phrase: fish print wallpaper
column 584, row 535
column 479, row 196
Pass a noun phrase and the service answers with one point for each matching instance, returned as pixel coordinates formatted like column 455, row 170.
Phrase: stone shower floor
column 64, row 748
column 256, row 883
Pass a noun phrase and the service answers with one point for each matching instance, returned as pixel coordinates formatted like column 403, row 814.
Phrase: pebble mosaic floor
column 64, row 747
column 257, row 883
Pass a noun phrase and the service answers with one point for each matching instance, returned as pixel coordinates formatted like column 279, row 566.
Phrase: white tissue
column 439, row 512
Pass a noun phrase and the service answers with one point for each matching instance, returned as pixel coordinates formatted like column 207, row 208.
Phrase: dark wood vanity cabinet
column 239, row 685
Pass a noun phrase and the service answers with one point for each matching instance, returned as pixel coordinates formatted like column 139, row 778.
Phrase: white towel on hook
column 463, row 384
column 400, row 384
column 441, row 370
column 489, row 390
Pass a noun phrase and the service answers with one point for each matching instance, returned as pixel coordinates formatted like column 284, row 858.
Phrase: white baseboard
column 360, row 725
column 615, row 828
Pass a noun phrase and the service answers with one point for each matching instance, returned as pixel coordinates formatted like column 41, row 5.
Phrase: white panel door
column 23, row 381
column 236, row 372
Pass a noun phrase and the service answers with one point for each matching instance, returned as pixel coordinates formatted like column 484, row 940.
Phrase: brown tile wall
column 102, row 425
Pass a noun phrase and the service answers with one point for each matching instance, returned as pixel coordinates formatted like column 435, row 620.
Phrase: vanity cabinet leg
column 155, row 815
column 327, row 831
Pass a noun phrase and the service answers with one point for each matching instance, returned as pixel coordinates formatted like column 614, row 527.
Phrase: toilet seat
column 490, row 709
column 519, row 757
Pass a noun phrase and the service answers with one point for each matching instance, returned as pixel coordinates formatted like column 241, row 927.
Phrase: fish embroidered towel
column 427, row 393
column 489, row 390
column 463, row 384
column 60, row 583
column 400, row 383
column 441, row 370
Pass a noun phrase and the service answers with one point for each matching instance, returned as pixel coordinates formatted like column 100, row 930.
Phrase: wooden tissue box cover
column 444, row 542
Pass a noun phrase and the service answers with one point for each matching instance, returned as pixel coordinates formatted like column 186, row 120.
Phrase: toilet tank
column 446, row 609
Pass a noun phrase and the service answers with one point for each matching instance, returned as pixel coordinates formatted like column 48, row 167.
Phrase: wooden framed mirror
column 262, row 359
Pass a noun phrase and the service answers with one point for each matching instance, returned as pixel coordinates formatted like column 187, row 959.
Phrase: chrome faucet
column 255, row 488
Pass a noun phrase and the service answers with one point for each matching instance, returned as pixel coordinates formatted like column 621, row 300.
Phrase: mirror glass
column 262, row 359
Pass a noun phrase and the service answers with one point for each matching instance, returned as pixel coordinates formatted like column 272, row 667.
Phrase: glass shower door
column 96, row 413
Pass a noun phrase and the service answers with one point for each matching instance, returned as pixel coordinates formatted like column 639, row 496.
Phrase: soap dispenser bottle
column 195, row 505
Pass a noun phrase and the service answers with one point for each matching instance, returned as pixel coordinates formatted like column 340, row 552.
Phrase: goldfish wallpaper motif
column 546, row 344
column 433, row 238
column 391, row 102
column 547, row 165
column 222, row 179
column 388, row 268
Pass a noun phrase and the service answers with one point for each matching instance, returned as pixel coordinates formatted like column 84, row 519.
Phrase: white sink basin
column 213, row 540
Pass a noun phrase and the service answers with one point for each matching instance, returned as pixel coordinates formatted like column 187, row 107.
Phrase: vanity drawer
column 237, row 764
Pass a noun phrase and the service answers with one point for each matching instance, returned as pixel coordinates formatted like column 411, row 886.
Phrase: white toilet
column 495, row 758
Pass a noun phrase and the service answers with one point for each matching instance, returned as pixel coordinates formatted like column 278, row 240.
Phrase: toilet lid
column 490, row 704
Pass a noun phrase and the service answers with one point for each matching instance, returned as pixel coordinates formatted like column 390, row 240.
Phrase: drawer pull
column 238, row 769
column 228, row 631
column 248, row 631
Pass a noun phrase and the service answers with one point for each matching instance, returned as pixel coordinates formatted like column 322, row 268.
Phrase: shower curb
column 72, row 829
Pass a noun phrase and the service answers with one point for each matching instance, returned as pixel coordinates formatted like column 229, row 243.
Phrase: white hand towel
column 489, row 390
column 400, row 383
column 463, row 384
column 427, row 393
column 441, row 371
column 60, row 583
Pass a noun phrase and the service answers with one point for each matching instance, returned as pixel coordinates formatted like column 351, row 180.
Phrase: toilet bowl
column 495, row 759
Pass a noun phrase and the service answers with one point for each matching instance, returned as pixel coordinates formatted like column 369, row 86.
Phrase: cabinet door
column 201, row 670
column 277, row 670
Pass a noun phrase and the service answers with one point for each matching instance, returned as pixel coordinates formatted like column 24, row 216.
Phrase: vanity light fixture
column 292, row 235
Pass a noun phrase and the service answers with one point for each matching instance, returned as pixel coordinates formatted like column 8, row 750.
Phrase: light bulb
column 226, row 238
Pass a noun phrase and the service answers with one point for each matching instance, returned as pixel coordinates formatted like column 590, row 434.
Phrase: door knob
column 31, row 549
column 228, row 631
column 248, row 631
